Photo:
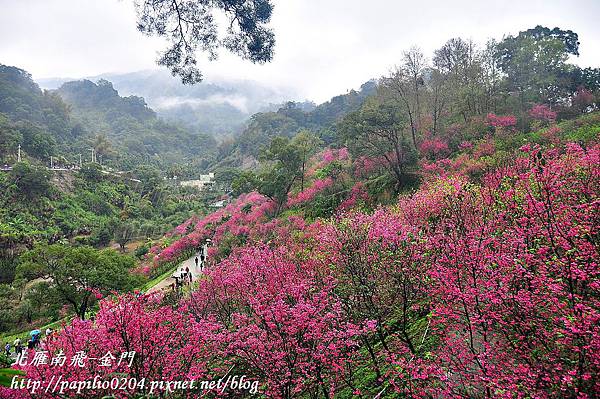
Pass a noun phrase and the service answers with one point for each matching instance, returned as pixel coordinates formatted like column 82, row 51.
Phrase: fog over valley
column 218, row 106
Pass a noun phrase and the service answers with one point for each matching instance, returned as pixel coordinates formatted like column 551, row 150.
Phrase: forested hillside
column 38, row 121
column 82, row 115
column 288, row 120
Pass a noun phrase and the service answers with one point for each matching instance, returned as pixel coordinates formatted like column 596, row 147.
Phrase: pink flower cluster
column 583, row 98
column 433, row 147
column 465, row 145
column 501, row 121
column 365, row 166
column 331, row 154
column 309, row 193
column 358, row 194
column 238, row 218
column 543, row 113
column 484, row 148
column 326, row 157
column 182, row 228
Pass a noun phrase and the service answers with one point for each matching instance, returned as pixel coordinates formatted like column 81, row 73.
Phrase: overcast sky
column 324, row 47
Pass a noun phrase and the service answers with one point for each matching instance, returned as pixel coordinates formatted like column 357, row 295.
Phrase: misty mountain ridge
column 219, row 106
column 126, row 131
column 82, row 115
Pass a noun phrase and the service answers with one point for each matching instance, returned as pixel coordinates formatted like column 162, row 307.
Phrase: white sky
column 324, row 47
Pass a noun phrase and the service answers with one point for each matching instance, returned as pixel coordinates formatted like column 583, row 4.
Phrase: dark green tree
column 29, row 180
column 37, row 142
column 380, row 130
column 91, row 172
column 75, row 273
column 123, row 232
column 10, row 137
column 245, row 182
column 150, row 178
column 534, row 63
column 307, row 144
column 281, row 167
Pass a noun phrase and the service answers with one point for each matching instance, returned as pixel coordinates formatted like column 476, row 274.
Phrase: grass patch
column 24, row 335
column 159, row 278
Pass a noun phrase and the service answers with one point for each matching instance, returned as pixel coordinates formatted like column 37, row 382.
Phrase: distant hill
column 37, row 121
column 21, row 100
column 218, row 107
column 81, row 115
column 288, row 120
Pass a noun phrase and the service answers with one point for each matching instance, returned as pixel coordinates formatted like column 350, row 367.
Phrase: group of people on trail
column 201, row 260
column 32, row 343
column 184, row 276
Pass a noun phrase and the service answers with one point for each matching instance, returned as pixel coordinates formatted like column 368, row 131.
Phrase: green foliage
column 74, row 273
column 29, row 181
column 91, row 172
column 263, row 127
column 244, row 182
column 307, row 144
column 141, row 250
column 23, row 101
column 82, row 115
column 7, row 374
column 37, row 142
column 10, row 138
column 378, row 130
column 126, row 133
column 150, row 178
column 291, row 119
column 8, row 266
column 323, row 206
column 124, row 231
column 282, row 165
column 584, row 134
column 101, row 236
column 535, row 61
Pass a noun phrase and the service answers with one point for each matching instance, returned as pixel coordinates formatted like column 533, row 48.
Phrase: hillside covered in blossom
column 482, row 282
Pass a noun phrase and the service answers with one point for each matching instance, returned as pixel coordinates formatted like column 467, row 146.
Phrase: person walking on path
column 196, row 260
column 18, row 346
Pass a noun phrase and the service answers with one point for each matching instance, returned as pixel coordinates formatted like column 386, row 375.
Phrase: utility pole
column 51, row 162
column 19, row 154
